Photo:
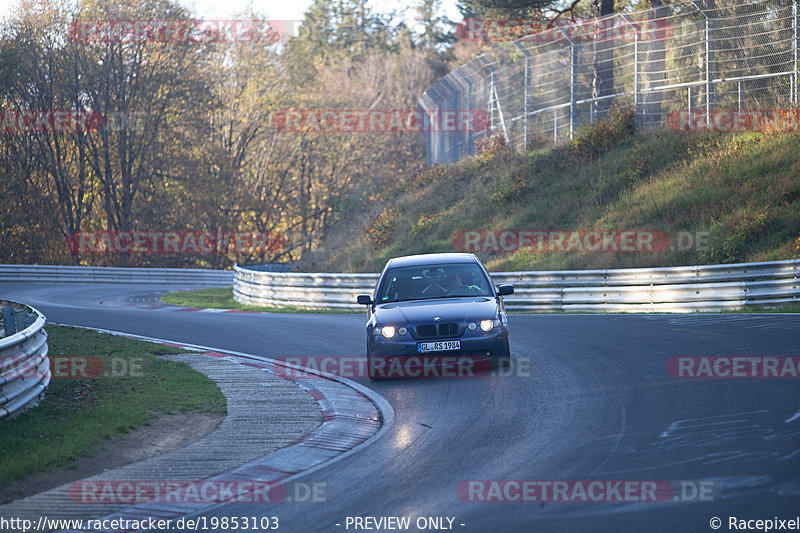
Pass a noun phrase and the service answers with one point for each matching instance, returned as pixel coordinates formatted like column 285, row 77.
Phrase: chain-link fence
column 674, row 63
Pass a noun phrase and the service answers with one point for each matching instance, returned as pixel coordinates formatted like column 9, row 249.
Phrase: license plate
column 439, row 346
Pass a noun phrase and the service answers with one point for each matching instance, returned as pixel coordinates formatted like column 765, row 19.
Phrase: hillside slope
column 738, row 194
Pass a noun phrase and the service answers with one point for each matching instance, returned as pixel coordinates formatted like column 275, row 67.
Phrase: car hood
column 467, row 309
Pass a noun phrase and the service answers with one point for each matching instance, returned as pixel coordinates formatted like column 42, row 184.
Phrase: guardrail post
column 9, row 322
column 689, row 99
column 19, row 318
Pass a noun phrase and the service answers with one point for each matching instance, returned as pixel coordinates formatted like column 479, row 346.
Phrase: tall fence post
column 525, row 104
column 470, row 145
column 795, row 46
column 555, row 126
column 462, row 102
column 494, row 100
column 573, row 91
column 637, row 69
column 525, row 101
column 709, row 68
column 709, row 63
column 573, row 82
column 490, row 104
column 739, row 94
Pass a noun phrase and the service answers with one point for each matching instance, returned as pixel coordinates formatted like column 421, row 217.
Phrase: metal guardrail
column 83, row 274
column 666, row 289
column 24, row 365
column 292, row 289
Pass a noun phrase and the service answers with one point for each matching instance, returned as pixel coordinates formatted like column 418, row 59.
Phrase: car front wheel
column 505, row 358
column 370, row 369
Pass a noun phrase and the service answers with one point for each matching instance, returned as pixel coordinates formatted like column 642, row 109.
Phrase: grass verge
column 77, row 413
column 222, row 298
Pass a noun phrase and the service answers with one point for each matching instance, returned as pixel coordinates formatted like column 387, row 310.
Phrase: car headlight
column 472, row 326
column 402, row 330
column 487, row 325
column 387, row 331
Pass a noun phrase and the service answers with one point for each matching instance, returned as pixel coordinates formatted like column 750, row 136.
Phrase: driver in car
column 459, row 286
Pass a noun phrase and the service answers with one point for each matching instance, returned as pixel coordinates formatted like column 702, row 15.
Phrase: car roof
column 431, row 259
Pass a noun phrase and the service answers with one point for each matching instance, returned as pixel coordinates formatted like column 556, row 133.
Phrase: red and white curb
column 354, row 417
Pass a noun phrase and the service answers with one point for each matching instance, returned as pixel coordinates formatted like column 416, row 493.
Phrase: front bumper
column 493, row 345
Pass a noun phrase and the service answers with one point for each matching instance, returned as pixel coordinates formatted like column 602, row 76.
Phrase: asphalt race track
column 599, row 406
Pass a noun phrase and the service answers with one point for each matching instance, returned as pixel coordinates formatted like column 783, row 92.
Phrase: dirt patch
column 161, row 435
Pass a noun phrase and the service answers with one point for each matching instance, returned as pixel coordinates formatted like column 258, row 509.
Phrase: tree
column 435, row 33
column 42, row 74
column 504, row 8
column 335, row 30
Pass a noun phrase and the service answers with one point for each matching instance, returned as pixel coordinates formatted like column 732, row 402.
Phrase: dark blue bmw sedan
column 432, row 305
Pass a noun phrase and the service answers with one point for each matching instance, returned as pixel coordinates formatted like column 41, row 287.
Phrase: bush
column 423, row 225
column 508, row 192
column 486, row 148
column 592, row 141
column 740, row 232
column 379, row 229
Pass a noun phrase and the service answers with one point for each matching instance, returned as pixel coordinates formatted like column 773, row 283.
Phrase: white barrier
column 24, row 366
column 663, row 289
column 83, row 274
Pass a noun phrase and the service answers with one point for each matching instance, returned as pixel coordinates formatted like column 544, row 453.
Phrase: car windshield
column 450, row 280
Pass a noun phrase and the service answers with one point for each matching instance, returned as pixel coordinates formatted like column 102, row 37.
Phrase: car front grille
column 426, row 330
column 430, row 330
column 448, row 330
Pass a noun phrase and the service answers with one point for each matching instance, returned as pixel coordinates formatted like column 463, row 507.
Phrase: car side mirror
column 364, row 299
column 505, row 290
